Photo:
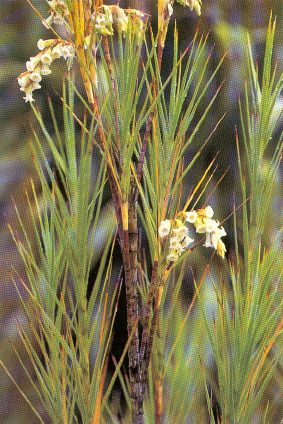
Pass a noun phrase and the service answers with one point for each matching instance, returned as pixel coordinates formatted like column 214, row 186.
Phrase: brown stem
column 147, row 310
column 149, row 326
column 138, row 361
column 158, row 400
column 132, row 321
column 158, row 373
column 140, row 165
column 129, row 253
column 129, row 247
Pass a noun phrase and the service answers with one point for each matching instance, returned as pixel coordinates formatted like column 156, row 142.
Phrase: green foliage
column 249, row 316
column 64, row 329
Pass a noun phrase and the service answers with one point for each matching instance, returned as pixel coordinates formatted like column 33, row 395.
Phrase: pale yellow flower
column 164, row 228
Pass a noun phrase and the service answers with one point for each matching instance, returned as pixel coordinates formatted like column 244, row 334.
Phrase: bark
column 130, row 248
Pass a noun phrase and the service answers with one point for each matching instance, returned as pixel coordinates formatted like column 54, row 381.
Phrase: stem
column 129, row 245
column 138, row 360
column 147, row 310
column 158, row 400
column 144, row 149
column 83, row 342
column 149, row 326
column 129, row 253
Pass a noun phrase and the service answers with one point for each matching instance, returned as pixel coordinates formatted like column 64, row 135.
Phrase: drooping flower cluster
column 39, row 65
column 179, row 239
column 109, row 17
column 178, row 233
column 204, row 224
column 58, row 12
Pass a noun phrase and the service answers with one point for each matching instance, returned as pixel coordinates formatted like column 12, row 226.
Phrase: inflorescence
column 58, row 12
column 103, row 23
column 174, row 234
column 39, row 65
column 192, row 4
column 109, row 17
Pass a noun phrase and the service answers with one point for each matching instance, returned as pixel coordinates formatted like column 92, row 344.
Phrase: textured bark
column 130, row 248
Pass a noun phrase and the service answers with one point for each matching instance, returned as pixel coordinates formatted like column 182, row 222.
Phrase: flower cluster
column 193, row 5
column 204, row 224
column 109, row 17
column 179, row 237
column 59, row 10
column 39, row 65
column 178, row 232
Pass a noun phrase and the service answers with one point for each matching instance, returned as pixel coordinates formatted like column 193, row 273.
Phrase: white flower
column 32, row 63
column 209, row 212
column 216, row 236
column 175, row 243
column 36, row 86
column 191, row 217
column 208, row 240
column 187, row 241
column 122, row 24
column 35, row 77
column 67, row 51
column 200, row 226
column 23, row 80
column 56, row 52
column 103, row 21
column 172, row 257
column 40, row 44
column 220, row 232
column 213, row 240
column 181, row 232
column 210, row 225
column 100, row 20
column 46, row 58
column 164, row 228
column 43, row 44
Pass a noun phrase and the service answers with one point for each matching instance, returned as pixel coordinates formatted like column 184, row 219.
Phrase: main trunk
column 129, row 253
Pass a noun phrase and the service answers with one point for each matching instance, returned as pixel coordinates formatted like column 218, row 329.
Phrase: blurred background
column 226, row 20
